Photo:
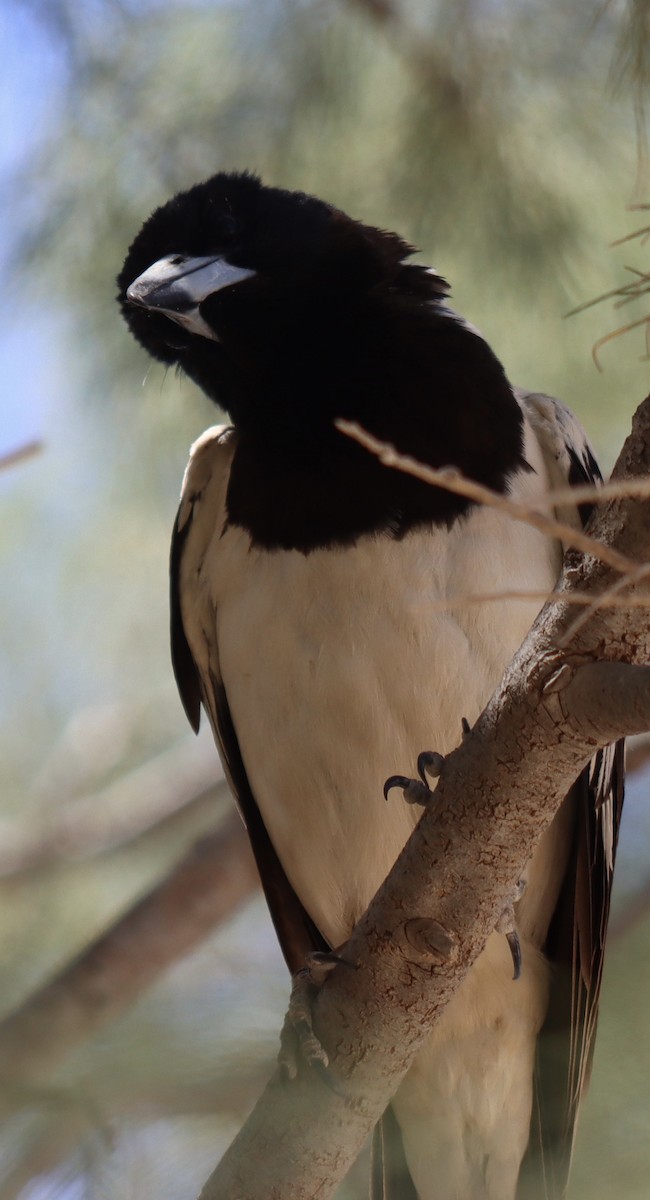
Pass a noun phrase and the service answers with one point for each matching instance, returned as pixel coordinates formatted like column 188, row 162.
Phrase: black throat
column 428, row 385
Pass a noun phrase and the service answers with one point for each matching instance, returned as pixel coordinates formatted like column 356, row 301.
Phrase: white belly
column 340, row 667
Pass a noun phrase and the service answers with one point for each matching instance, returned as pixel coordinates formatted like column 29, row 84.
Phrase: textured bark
column 577, row 684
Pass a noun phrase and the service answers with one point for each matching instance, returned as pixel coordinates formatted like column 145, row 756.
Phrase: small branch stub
column 431, row 940
column 558, row 680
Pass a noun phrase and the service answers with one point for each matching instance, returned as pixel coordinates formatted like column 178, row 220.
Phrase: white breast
column 341, row 665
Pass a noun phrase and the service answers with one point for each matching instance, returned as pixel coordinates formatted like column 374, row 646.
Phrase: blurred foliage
column 455, row 131
column 632, row 59
column 486, row 132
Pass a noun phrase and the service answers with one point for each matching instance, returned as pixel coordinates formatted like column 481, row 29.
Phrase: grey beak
column 176, row 286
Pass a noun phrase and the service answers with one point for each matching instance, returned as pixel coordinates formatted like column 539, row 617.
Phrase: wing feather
column 198, row 675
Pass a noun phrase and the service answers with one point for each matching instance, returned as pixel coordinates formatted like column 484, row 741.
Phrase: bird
column 319, row 618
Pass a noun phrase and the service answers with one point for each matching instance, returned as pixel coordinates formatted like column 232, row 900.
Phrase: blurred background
column 142, row 990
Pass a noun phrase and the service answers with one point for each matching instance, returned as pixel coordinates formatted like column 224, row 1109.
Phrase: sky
column 30, row 90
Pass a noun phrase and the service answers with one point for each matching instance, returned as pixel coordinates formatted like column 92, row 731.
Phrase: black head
column 290, row 314
column 237, row 283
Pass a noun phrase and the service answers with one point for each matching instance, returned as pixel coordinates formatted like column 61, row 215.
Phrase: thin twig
column 637, row 233
column 614, row 333
column 12, row 457
column 597, row 493
column 626, row 293
column 607, row 599
column 453, row 481
column 580, row 308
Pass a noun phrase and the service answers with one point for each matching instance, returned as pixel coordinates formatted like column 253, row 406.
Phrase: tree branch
column 497, row 793
column 141, row 799
column 12, row 457
column 212, row 881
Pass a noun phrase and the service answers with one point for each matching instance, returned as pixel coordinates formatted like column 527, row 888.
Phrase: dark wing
column 200, row 512
column 576, row 938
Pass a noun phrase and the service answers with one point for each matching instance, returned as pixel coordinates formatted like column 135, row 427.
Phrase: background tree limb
column 217, row 876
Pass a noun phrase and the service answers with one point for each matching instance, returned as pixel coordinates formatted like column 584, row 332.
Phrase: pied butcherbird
column 320, row 617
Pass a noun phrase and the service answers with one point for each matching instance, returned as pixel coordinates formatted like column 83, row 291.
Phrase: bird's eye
column 176, row 260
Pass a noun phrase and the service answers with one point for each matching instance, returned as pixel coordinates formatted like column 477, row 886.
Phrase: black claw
column 399, row 781
column 417, row 791
column 321, row 963
column 429, row 763
column 327, row 958
column 465, row 726
column 413, row 790
column 515, row 949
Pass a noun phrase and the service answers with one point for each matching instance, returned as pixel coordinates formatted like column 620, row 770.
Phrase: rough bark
column 577, row 684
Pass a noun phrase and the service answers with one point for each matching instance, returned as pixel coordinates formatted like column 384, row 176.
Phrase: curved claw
column 299, row 1044
column 512, row 937
column 325, row 958
column 321, row 963
column 399, row 781
column 413, row 790
column 310, row 1047
column 430, row 763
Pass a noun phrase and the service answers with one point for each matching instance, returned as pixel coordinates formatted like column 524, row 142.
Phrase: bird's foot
column 298, row 1042
column 506, row 924
column 417, row 791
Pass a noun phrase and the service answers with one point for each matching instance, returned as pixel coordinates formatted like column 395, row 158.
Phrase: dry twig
column 453, row 481
column 20, row 454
